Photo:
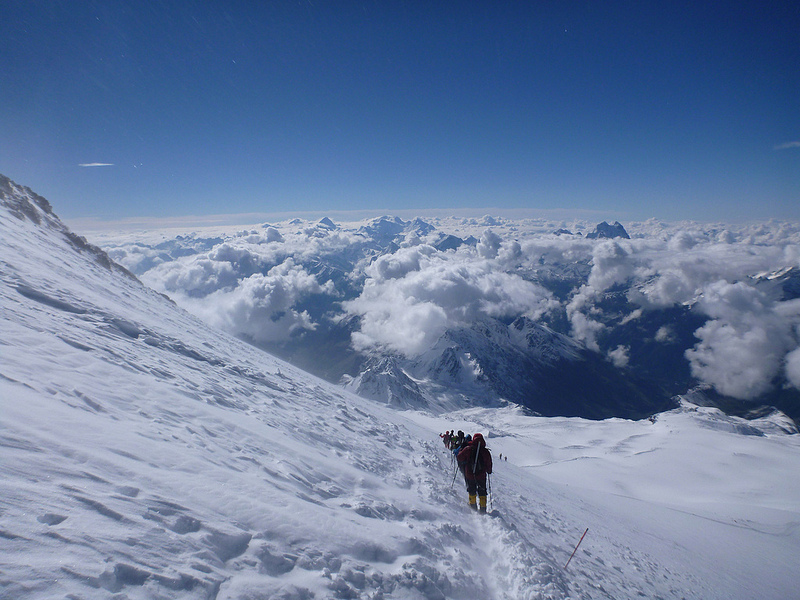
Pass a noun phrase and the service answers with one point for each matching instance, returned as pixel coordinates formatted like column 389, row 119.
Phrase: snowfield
column 144, row 454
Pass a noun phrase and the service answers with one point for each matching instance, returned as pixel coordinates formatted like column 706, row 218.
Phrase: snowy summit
column 146, row 454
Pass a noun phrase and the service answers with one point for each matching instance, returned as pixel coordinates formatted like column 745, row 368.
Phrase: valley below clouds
column 677, row 306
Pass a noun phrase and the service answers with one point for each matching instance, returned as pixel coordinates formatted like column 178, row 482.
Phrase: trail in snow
column 667, row 511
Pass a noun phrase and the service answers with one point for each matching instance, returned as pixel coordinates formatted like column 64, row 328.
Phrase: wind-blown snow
column 145, row 454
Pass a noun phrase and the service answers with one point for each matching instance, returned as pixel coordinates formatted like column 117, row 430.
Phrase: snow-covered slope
column 147, row 455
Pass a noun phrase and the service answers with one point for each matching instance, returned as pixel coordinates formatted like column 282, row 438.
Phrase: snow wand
column 576, row 548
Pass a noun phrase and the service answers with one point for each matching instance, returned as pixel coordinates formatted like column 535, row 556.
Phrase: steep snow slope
column 145, row 454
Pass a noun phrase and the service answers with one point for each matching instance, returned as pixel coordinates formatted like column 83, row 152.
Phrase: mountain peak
column 25, row 204
column 604, row 230
column 326, row 223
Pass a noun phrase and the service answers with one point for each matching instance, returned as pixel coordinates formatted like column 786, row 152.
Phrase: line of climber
column 474, row 460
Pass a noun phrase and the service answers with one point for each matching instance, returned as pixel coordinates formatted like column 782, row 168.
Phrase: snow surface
column 144, row 454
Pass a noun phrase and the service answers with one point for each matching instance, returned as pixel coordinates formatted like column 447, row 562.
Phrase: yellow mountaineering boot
column 473, row 502
column 483, row 503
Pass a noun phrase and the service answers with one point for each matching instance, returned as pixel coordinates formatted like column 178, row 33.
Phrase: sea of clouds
column 272, row 282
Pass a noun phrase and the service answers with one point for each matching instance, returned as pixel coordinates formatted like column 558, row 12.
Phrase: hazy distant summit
column 604, row 230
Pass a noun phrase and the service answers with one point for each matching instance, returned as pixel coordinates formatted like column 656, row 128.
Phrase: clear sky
column 668, row 109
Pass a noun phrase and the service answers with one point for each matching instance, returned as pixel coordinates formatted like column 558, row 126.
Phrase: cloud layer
column 407, row 290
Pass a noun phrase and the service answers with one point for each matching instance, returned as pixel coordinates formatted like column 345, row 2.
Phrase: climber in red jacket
column 475, row 461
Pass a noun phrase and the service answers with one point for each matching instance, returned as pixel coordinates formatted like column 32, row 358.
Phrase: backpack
column 476, row 456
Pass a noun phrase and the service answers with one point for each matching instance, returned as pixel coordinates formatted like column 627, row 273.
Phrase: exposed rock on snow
column 604, row 230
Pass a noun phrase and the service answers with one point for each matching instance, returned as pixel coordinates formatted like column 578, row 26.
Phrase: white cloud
column 737, row 362
column 136, row 258
column 787, row 145
column 665, row 334
column 611, row 264
column 399, row 264
column 636, row 314
column 679, row 271
column 585, row 329
column 245, row 285
column 197, row 276
column 96, row 164
column 742, row 348
column 403, row 325
column 793, row 367
column 619, row 356
column 263, row 307
column 489, row 244
column 414, row 295
column 682, row 241
column 273, row 235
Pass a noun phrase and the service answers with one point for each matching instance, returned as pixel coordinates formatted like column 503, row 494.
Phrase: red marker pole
column 576, row 548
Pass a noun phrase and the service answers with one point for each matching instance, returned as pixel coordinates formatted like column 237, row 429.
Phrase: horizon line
column 345, row 216
column 357, row 215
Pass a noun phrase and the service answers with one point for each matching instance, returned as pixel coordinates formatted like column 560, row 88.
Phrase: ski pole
column 491, row 496
column 477, row 455
column 576, row 548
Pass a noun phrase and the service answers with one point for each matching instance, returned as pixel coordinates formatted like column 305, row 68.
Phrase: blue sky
column 635, row 109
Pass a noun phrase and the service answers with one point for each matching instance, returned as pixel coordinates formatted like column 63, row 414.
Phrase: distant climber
column 457, row 446
column 475, row 462
column 446, row 438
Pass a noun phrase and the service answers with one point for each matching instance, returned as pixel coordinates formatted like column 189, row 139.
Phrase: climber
column 475, row 461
